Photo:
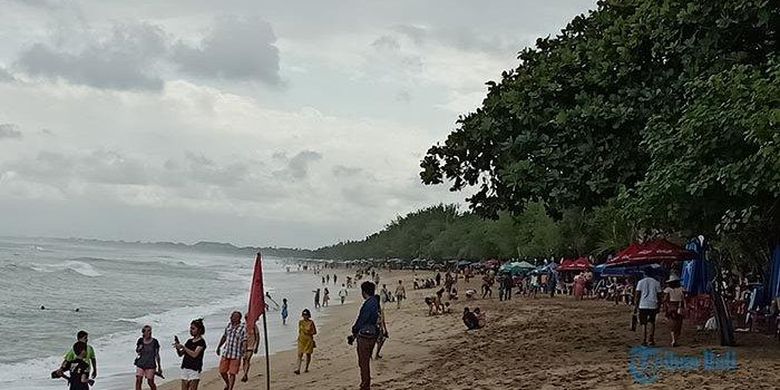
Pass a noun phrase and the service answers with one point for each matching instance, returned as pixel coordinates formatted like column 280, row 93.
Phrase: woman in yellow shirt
column 306, row 332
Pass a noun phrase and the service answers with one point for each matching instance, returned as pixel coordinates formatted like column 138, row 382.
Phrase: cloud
column 386, row 42
column 10, row 130
column 5, row 75
column 125, row 60
column 343, row 171
column 458, row 37
column 234, row 49
column 298, row 167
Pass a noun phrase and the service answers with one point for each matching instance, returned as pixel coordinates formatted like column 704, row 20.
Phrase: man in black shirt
column 79, row 369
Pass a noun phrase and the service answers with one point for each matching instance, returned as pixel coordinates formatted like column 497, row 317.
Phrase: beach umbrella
column 656, row 251
column 526, row 265
column 581, row 264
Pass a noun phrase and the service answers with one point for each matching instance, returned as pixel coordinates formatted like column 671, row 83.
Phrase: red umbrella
column 655, row 251
column 581, row 264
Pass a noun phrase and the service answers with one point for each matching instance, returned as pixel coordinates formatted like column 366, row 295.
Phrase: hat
column 306, row 312
column 673, row 278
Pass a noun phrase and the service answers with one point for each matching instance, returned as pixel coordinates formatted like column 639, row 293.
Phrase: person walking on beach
column 252, row 345
column 90, row 359
column 438, row 278
column 234, row 340
column 326, row 297
column 675, row 304
column 383, row 333
column 148, row 361
column 323, row 280
column 284, row 311
column 327, row 278
column 366, row 331
column 343, row 293
column 306, row 344
column 400, row 293
column 192, row 353
column 646, row 298
column 334, row 280
column 79, row 369
column 316, row 298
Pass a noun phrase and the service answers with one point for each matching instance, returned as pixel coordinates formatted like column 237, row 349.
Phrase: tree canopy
column 667, row 110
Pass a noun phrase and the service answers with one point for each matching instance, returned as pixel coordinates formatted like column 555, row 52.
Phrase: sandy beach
column 546, row 343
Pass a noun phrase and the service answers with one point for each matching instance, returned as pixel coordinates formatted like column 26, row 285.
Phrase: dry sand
column 543, row 343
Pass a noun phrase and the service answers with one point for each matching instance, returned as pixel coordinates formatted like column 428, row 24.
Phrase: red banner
column 256, row 293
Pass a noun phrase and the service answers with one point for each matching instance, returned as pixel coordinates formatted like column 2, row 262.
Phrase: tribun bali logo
column 645, row 364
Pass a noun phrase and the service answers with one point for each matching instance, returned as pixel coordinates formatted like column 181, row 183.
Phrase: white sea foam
column 79, row 267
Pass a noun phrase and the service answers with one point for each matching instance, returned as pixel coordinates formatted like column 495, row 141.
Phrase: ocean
column 117, row 290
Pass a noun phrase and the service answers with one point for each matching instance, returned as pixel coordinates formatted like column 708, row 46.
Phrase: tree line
column 640, row 118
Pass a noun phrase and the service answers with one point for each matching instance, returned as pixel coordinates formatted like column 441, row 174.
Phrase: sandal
column 297, row 372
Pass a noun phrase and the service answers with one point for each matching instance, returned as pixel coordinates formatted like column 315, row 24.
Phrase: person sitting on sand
column 470, row 319
column 480, row 317
column 306, row 344
column 429, row 302
column 447, row 309
column 470, row 293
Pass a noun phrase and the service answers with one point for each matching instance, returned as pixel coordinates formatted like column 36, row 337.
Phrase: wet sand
column 543, row 343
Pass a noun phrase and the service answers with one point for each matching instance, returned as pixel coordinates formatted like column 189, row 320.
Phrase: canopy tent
column 581, row 264
column 655, row 251
column 696, row 273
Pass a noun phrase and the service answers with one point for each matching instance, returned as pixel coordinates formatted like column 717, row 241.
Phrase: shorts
column 189, row 375
column 229, row 366
column 147, row 373
column 647, row 315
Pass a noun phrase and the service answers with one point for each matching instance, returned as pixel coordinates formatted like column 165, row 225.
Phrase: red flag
column 256, row 293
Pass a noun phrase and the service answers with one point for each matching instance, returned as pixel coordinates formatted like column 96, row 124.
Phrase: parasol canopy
column 656, row 251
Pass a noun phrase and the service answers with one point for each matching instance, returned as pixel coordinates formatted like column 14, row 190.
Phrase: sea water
column 117, row 290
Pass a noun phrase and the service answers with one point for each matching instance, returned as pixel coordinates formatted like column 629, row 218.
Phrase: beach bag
column 633, row 321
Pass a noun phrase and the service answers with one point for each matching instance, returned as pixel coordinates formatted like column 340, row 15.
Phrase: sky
column 298, row 123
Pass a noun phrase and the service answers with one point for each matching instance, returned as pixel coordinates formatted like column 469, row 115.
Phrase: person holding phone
column 192, row 355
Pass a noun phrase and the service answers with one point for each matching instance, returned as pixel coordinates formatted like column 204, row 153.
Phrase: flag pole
column 265, row 337
column 267, row 360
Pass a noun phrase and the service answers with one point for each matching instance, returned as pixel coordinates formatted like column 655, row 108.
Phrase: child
column 79, row 369
column 284, row 311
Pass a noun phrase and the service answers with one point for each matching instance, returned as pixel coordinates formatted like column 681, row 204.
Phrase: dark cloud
column 342, row 171
column 9, row 131
column 124, row 60
column 298, row 165
column 234, row 49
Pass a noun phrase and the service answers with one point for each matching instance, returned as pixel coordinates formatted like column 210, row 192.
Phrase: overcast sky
column 297, row 123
